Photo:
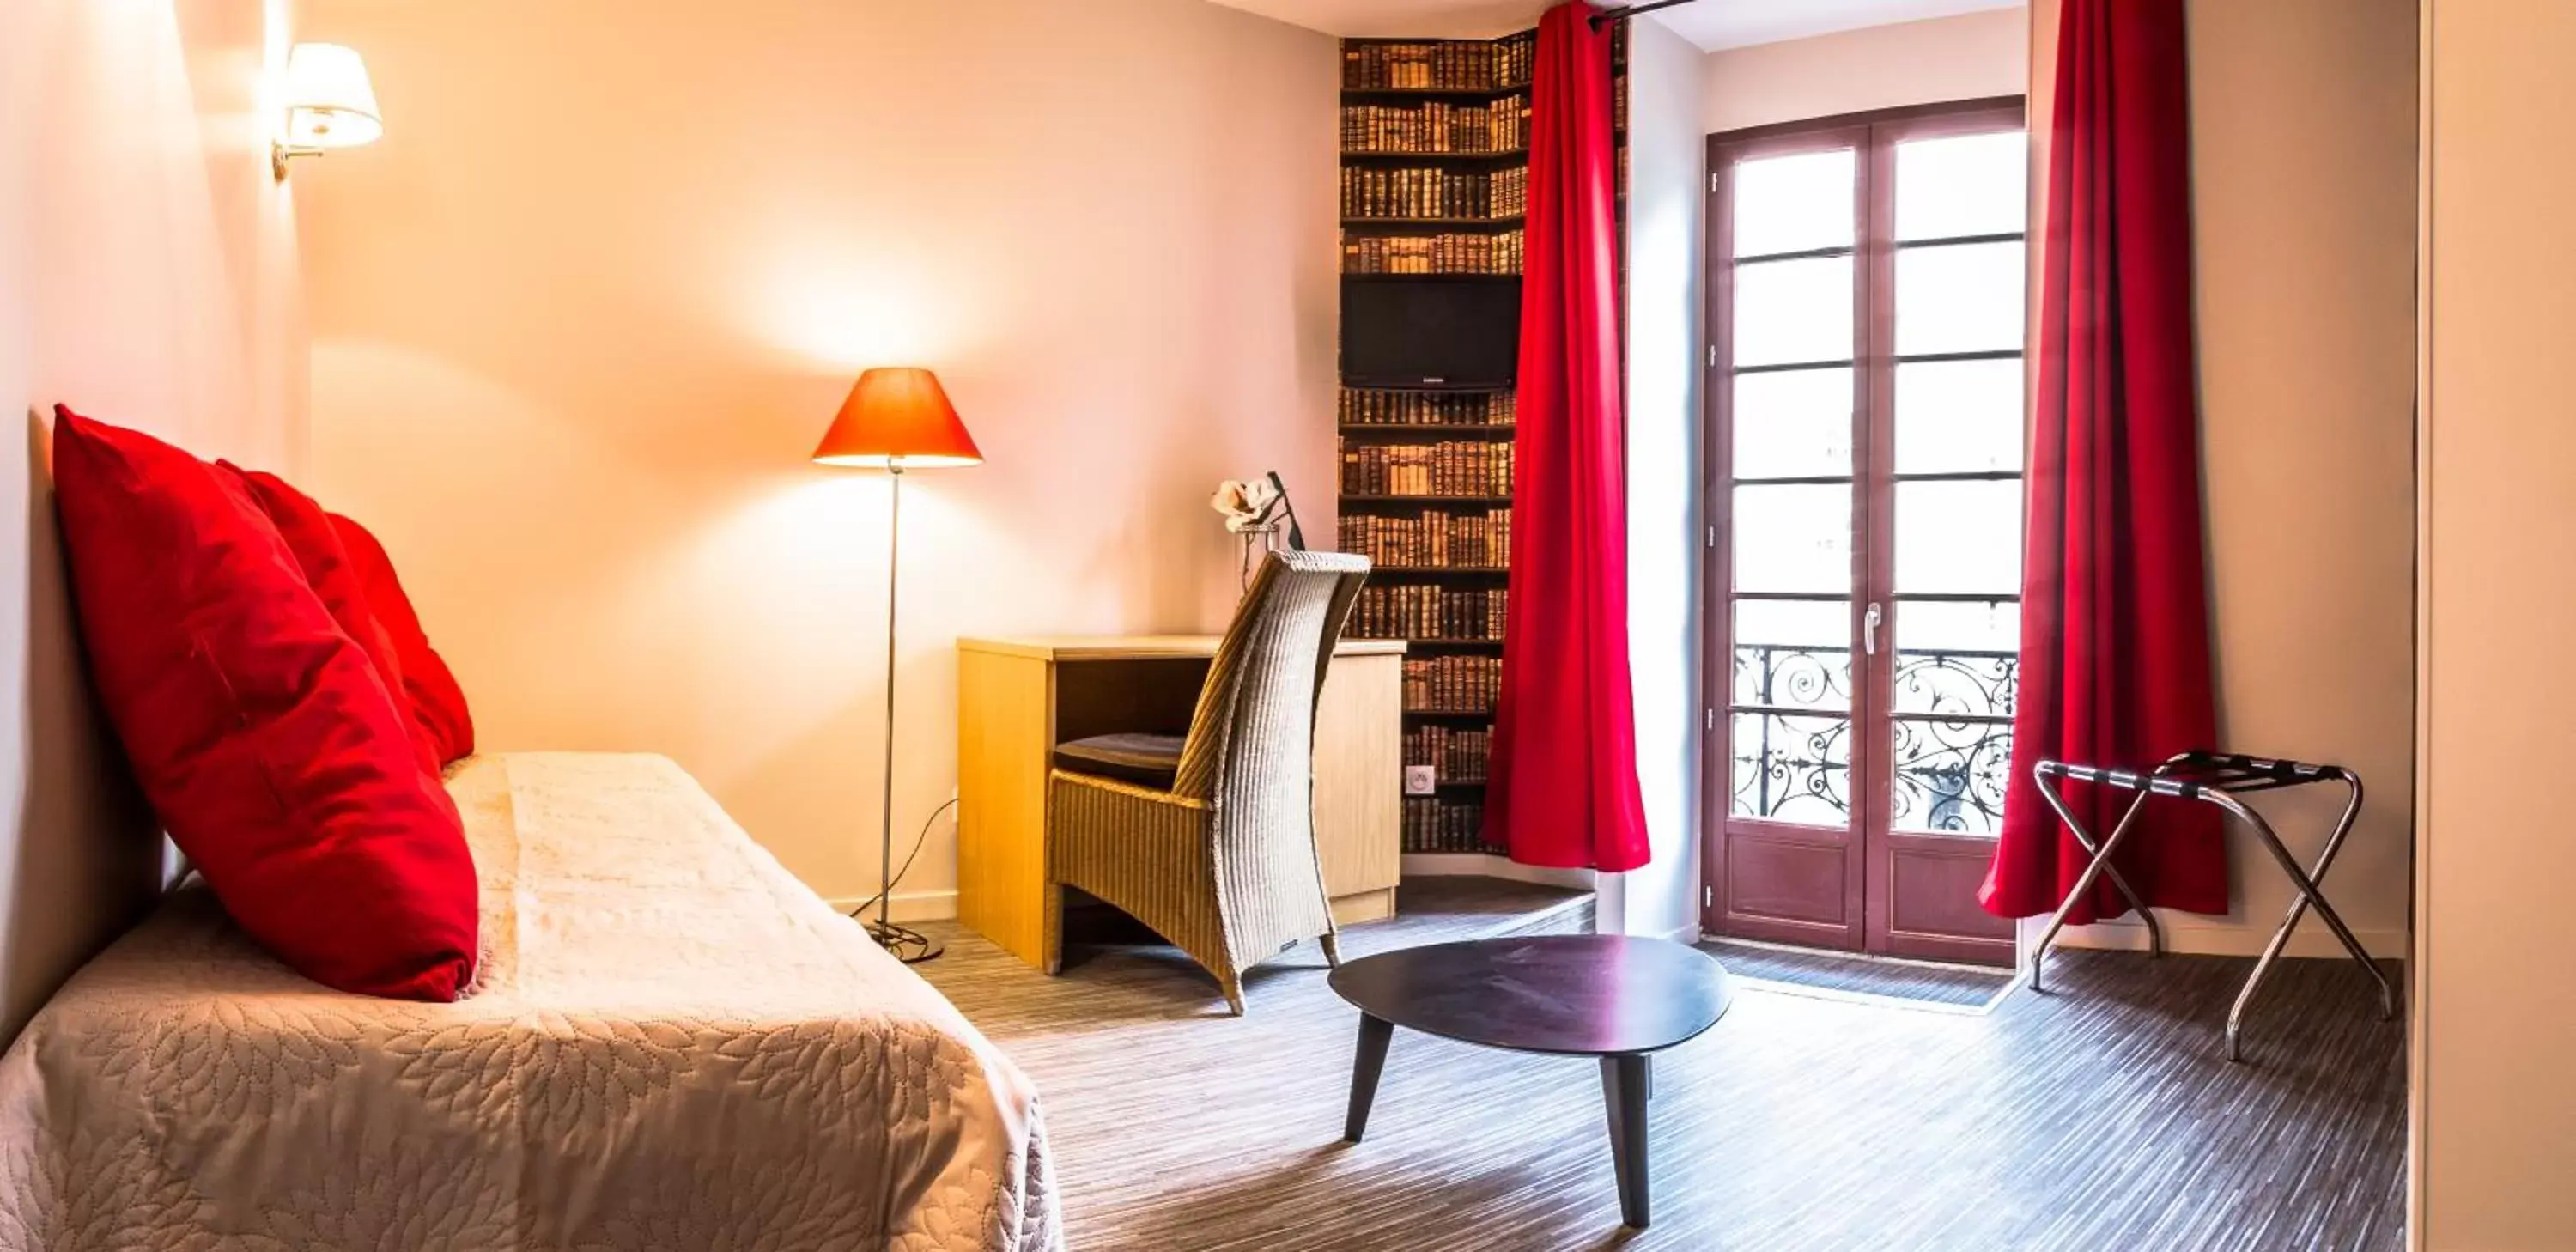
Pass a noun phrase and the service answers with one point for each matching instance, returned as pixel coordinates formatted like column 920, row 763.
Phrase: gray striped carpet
column 2099, row 1115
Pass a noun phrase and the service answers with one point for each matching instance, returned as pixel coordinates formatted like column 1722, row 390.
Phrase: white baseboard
column 2220, row 939
column 1453, row 864
column 909, row 906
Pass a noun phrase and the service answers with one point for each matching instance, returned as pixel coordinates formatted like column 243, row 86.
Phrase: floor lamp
column 895, row 420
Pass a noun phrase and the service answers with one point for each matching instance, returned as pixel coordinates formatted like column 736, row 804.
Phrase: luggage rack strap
column 2188, row 774
column 2156, row 781
column 2235, row 771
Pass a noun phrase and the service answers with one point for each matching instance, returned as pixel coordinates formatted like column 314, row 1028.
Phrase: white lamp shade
column 329, row 102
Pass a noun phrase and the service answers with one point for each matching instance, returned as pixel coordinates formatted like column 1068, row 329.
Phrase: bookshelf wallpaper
column 1435, row 195
column 1450, row 253
column 1438, row 64
column 1435, row 180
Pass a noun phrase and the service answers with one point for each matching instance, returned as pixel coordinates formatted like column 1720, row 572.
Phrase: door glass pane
column 1959, row 537
column 1957, row 660
column 1793, row 424
column 1957, row 417
column 1955, row 625
column 1794, row 203
column 1962, row 185
column 1959, row 298
column 1791, row 769
column 1950, row 775
column 1787, row 312
column 1793, row 539
column 1793, row 654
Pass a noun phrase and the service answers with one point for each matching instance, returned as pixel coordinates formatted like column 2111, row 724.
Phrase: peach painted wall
column 1985, row 53
column 2303, row 169
column 147, row 275
column 2496, row 1009
column 582, row 314
column 2303, row 199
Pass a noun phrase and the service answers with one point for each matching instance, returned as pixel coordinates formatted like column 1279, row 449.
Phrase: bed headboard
column 81, row 858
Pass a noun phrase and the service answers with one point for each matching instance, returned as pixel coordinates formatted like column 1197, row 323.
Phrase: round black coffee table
column 1618, row 998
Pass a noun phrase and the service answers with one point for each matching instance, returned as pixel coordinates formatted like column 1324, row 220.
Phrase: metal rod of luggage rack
column 2216, row 778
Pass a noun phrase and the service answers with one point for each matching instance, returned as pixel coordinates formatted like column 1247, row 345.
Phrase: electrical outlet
column 1421, row 780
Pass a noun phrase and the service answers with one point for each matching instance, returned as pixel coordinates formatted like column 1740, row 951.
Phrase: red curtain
column 2115, row 666
column 1563, row 774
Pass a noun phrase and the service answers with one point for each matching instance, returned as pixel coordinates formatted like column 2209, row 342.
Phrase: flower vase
column 1256, row 542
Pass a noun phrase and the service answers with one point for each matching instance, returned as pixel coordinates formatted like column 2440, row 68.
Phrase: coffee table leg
column 1627, row 1082
column 1365, row 1067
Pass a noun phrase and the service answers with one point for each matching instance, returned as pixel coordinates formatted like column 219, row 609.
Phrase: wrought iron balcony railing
column 1950, row 732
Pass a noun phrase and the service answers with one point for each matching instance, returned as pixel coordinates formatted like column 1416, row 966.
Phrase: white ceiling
column 1715, row 24
column 1712, row 24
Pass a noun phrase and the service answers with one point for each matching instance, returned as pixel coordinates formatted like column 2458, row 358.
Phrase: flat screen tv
column 1429, row 331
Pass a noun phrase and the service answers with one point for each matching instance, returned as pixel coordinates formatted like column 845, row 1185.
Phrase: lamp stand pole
column 908, row 945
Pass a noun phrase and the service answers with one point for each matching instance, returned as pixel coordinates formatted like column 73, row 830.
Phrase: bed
column 671, row 1044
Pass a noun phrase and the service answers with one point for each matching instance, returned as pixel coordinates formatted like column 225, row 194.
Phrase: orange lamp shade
column 897, row 419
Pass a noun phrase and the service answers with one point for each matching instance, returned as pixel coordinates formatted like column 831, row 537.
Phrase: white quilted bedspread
column 672, row 1044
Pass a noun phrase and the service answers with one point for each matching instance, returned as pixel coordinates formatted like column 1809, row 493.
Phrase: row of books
column 1363, row 407
column 1451, row 467
column 1455, row 754
column 1452, row 684
column 1447, row 65
column 1436, row 128
column 1433, row 539
column 1417, row 193
column 1434, row 825
column 1498, row 253
column 1423, row 611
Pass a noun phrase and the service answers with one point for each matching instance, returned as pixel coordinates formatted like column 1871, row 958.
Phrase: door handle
column 1869, row 623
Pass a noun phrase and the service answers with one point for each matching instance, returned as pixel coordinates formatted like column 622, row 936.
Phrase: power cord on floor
column 908, row 945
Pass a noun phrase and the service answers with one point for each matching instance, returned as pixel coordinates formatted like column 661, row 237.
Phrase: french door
column 1865, row 453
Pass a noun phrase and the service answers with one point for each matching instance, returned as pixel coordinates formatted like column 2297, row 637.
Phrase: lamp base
column 908, row 945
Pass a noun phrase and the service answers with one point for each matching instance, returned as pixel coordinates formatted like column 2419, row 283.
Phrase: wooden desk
column 1018, row 698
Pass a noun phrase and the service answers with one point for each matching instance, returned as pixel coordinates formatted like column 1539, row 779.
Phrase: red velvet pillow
column 260, row 731
column 437, row 702
column 327, row 569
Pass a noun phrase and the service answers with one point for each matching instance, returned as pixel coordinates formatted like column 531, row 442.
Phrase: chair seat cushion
column 1145, row 760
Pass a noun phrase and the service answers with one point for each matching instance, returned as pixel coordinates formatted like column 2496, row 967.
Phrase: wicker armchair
column 1210, row 838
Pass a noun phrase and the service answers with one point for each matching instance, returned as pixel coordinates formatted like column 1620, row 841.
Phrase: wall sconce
column 329, row 104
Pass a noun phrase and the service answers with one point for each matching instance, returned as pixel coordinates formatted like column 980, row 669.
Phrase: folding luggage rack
column 2212, row 778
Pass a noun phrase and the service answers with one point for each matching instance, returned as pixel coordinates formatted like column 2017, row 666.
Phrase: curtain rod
column 1628, row 11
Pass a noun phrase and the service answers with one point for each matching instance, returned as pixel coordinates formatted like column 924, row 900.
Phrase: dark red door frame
column 1865, row 886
